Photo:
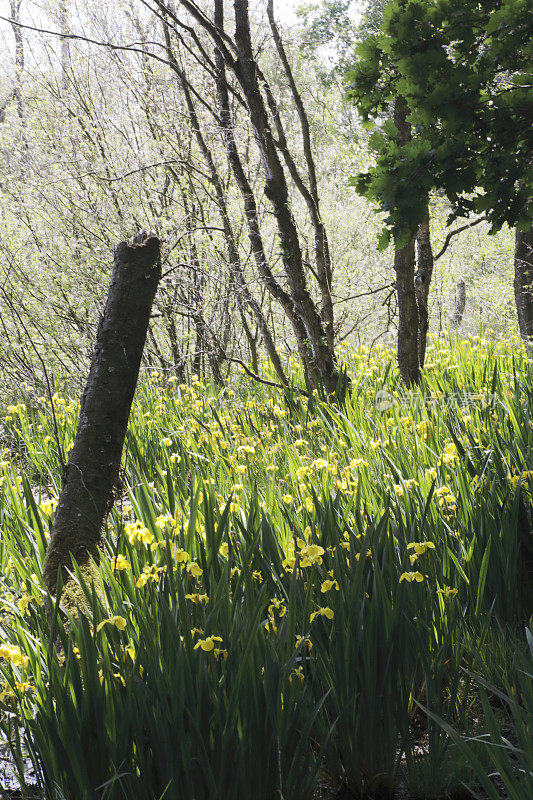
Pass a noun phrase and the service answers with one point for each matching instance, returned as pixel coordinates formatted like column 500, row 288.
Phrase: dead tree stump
column 460, row 304
column 91, row 476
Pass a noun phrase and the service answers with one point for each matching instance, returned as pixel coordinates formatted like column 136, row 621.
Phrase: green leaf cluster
column 465, row 74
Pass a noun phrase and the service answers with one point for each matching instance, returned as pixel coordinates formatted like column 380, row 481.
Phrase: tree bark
column 523, row 286
column 178, row 360
column 422, row 283
column 404, row 267
column 91, row 476
column 250, row 337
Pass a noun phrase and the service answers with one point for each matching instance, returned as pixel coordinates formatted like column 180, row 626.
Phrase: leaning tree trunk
column 422, row 283
column 404, row 267
column 91, row 476
column 277, row 192
column 523, row 285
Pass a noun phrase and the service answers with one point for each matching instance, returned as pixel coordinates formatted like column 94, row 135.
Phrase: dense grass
column 292, row 592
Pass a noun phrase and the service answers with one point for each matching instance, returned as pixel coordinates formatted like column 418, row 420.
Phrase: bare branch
column 142, row 169
column 221, row 39
column 129, row 48
column 364, row 294
column 253, row 375
column 455, row 232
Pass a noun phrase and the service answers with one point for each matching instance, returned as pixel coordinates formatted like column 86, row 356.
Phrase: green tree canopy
column 465, row 72
column 328, row 24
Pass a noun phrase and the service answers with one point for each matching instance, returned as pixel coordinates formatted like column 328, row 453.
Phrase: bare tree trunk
column 91, row 476
column 238, row 56
column 245, row 296
column 322, row 254
column 422, row 283
column 250, row 338
column 163, row 363
column 19, row 58
column 277, row 192
column 178, row 360
column 460, row 304
column 197, row 318
column 252, row 219
column 523, row 285
column 404, row 266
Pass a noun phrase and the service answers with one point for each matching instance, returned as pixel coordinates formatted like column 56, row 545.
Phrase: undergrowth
column 289, row 589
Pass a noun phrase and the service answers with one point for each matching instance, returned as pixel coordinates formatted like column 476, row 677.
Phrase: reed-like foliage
column 289, row 588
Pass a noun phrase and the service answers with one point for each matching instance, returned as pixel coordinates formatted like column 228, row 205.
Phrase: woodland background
column 97, row 142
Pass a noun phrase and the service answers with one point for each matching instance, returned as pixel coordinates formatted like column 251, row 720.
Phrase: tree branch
column 455, row 232
column 130, row 48
column 221, row 39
